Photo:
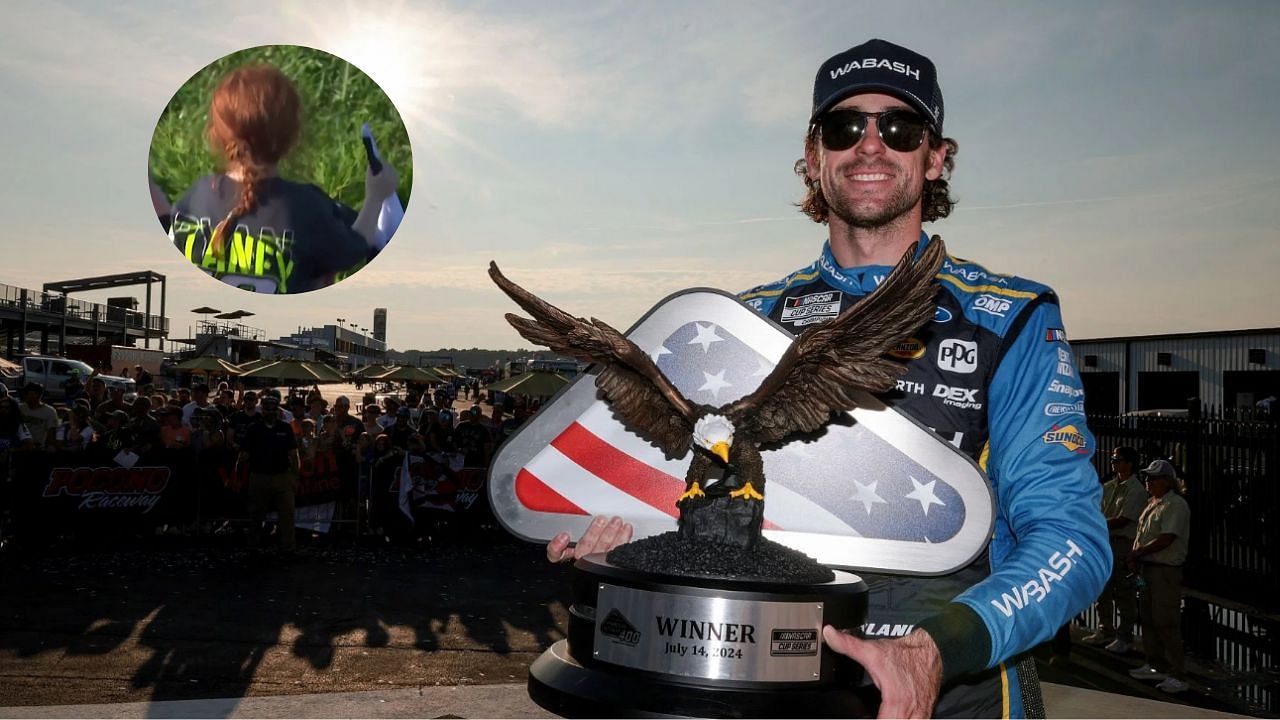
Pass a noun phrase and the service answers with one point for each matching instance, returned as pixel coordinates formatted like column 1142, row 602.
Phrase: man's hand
column 602, row 535
column 908, row 670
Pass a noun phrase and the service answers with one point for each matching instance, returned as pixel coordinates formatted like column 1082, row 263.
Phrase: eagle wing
column 630, row 382
column 820, row 370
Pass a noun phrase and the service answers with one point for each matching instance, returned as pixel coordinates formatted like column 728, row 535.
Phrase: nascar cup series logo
column 1069, row 437
column 811, row 308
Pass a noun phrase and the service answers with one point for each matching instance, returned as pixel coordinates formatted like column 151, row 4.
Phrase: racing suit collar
column 858, row 280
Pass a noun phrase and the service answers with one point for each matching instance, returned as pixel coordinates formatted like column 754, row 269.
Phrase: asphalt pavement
column 168, row 626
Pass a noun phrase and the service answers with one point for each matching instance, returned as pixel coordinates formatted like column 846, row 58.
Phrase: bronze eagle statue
column 816, row 376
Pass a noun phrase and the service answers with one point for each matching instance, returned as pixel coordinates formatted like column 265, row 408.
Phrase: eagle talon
column 694, row 491
column 748, row 492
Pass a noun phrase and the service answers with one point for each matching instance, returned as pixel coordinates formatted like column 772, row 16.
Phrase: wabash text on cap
column 880, row 66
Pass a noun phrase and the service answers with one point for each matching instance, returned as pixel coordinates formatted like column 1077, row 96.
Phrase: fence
column 1228, row 461
column 1229, row 466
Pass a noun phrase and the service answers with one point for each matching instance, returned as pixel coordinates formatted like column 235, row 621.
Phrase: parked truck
column 115, row 359
column 54, row 372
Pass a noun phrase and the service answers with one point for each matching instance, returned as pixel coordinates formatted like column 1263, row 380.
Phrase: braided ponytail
column 254, row 120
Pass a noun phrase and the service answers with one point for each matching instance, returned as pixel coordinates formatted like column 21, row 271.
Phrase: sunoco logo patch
column 619, row 628
column 1067, row 436
column 793, row 642
column 811, row 308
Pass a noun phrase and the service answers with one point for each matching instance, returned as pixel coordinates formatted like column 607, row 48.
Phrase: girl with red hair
column 253, row 229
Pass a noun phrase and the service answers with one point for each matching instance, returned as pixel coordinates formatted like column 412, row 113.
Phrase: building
column 48, row 320
column 1231, row 369
column 380, row 324
column 339, row 346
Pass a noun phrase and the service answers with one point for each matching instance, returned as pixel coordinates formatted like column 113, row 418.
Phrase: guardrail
column 45, row 303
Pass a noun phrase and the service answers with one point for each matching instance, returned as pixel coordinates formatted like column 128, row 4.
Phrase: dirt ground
column 165, row 618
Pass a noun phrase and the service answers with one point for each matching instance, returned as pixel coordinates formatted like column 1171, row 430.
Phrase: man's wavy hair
column 936, row 201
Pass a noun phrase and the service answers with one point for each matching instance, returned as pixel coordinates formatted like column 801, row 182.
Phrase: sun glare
column 397, row 46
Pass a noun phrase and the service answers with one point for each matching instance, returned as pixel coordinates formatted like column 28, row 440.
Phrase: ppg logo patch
column 620, row 629
column 958, row 356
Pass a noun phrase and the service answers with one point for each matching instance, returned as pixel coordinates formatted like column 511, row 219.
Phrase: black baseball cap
column 880, row 66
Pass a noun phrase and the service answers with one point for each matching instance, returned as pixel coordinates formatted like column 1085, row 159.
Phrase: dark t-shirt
column 269, row 447
column 471, row 439
column 295, row 239
column 146, row 431
column 240, row 422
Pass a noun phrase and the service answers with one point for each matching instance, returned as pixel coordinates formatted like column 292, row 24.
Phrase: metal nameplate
column 716, row 638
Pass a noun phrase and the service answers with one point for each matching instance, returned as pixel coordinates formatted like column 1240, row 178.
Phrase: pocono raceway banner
column 431, row 482
column 84, row 490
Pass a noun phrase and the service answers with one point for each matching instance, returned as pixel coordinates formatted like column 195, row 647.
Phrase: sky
column 607, row 155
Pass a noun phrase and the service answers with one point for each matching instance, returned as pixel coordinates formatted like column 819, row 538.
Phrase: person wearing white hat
column 1159, row 550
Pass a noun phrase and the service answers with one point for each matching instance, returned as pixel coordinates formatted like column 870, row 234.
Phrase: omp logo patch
column 1069, row 437
column 992, row 305
column 908, row 349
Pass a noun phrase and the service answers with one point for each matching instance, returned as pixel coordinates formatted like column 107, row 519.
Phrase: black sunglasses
column 899, row 128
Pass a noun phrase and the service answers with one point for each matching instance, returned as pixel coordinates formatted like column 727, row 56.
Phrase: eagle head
column 715, row 433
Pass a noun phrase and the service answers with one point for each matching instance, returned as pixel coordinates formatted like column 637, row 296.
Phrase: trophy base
column 650, row 645
column 558, row 684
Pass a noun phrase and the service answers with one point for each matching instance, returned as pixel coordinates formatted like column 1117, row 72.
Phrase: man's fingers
column 557, row 548
column 844, row 643
column 602, row 534
column 591, row 536
column 607, row 535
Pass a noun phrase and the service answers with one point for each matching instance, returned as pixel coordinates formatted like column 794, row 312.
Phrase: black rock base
column 671, row 554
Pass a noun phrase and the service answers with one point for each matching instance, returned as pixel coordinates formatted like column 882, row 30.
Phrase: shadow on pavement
column 174, row 618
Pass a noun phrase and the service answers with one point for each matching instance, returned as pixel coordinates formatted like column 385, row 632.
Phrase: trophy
column 714, row 619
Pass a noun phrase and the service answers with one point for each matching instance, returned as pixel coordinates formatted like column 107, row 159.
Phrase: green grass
column 337, row 98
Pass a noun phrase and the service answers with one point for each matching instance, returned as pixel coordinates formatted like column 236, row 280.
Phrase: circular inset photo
column 280, row 169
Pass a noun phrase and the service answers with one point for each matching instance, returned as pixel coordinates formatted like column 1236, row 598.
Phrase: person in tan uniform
column 1159, row 550
column 1123, row 499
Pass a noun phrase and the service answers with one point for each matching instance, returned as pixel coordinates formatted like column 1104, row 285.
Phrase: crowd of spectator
column 216, row 423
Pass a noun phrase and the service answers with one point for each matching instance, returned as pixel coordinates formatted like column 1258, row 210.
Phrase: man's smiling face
column 871, row 185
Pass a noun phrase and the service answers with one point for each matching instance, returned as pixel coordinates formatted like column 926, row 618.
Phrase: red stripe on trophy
column 619, row 469
column 536, row 495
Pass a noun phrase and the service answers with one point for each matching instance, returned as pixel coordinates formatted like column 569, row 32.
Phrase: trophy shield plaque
column 644, row 643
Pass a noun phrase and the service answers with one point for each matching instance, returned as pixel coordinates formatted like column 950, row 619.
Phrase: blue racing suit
column 993, row 375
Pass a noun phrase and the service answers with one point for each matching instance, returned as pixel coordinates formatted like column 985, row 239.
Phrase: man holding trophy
column 991, row 373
